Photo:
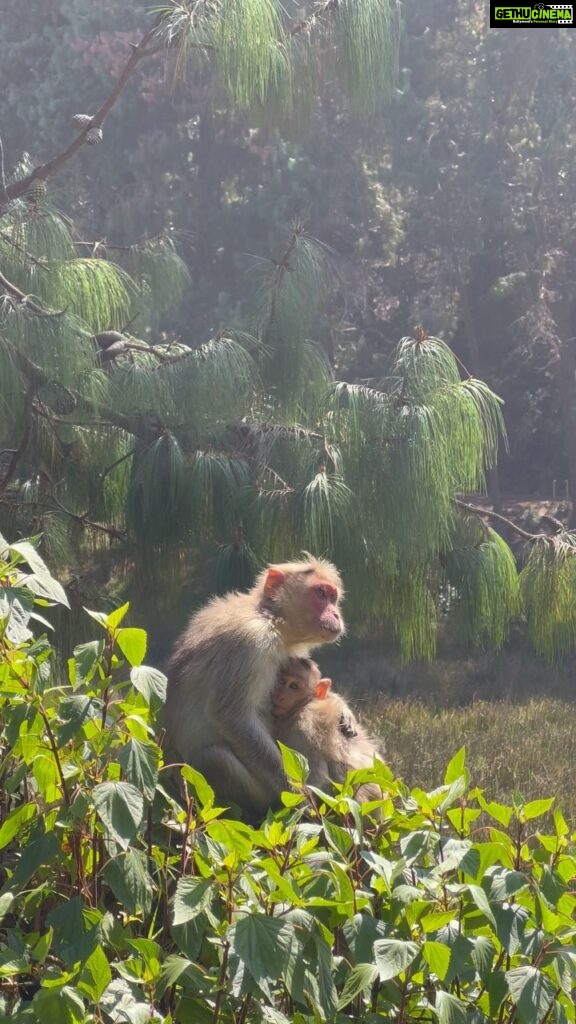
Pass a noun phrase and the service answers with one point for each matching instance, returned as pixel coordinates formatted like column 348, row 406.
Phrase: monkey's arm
column 250, row 741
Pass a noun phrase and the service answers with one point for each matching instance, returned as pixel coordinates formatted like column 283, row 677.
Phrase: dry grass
column 528, row 747
column 515, row 715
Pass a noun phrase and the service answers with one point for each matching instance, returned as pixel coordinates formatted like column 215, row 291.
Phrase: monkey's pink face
column 323, row 603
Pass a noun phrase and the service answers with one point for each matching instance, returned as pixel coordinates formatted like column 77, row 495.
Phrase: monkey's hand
column 347, row 726
column 254, row 747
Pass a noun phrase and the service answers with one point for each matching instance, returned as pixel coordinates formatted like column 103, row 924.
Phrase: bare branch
column 50, row 169
column 489, row 514
column 26, row 300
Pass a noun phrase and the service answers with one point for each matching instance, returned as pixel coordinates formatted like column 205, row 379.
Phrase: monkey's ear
column 322, row 688
column 274, row 579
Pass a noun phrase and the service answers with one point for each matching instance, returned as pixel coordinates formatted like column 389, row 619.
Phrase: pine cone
column 93, row 135
column 82, row 120
column 36, row 190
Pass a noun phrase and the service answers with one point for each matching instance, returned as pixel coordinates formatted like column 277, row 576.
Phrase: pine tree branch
column 15, row 292
column 25, row 439
column 48, row 170
column 489, row 514
column 307, row 24
column 37, row 376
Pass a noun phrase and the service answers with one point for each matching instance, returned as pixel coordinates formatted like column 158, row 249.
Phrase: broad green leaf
column 392, row 956
column 456, row 766
column 360, row 933
column 140, row 765
column 59, row 1006
column 15, row 821
column 149, row 682
column 132, row 643
column 263, row 944
column 536, row 808
column 483, row 953
column 16, row 618
column 449, row 1009
column 124, row 1002
column 95, row 975
column 481, row 900
column 175, row 968
column 48, row 588
column 505, row 882
column 83, row 665
column 232, row 834
column 500, row 812
column 35, row 854
column 129, row 879
column 359, row 979
column 114, row 619
column 193, row 896
column 532, row 992
column 437, row 956
column 11, row 963
column 295, row 765
column 120, row 807
column 76, row 932
column 203, row 790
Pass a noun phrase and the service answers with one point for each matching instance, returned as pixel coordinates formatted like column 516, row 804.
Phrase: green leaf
column 16, row 619
column 449, row 1009
column 129, row 879
column 139, row 762
column 264, row 945
column 437, row 956
column 132, row 643
column 150, row 683
column 360, row 978
column 42, row 577
column 532, row 992
column 95, row 975
column 504, row 882
column 203, row 790
column 123, row 1002
column 193, row 896
column 481, row 900
column 83, row 665
column 499, row 812
column 483, row 953
column 114, row 619
column 456, row 767
column 120, row 807
column 14, row 822
column 392, row 956
column 535, row 808
column 59, row 1006
column 295, row 764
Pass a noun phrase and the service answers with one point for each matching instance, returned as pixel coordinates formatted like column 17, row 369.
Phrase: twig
column 26, row 300
column 479, row 511
column 48, row 170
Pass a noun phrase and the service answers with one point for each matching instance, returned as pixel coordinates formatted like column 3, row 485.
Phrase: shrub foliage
column 120, row 903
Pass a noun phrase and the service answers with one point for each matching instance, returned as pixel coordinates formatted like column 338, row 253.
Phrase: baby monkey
column 320, row 725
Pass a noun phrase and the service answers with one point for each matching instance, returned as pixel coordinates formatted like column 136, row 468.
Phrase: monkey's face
column 323, row 602
column 305, row 599
column 295, row 688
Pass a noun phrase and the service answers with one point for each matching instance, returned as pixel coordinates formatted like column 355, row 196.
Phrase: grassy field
column 515, row 715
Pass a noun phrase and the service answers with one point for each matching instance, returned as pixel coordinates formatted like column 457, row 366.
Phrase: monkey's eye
column 322, row 592
column 293, row 686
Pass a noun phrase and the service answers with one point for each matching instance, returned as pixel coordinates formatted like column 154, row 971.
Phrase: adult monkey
column 224, row 669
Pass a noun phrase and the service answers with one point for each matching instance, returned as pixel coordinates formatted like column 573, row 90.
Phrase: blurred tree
column 237, row 443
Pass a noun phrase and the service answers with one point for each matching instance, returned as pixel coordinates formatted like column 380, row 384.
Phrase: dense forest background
column 448, row 205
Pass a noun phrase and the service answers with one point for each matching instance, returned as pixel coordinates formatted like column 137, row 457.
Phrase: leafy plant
column 118, row 902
